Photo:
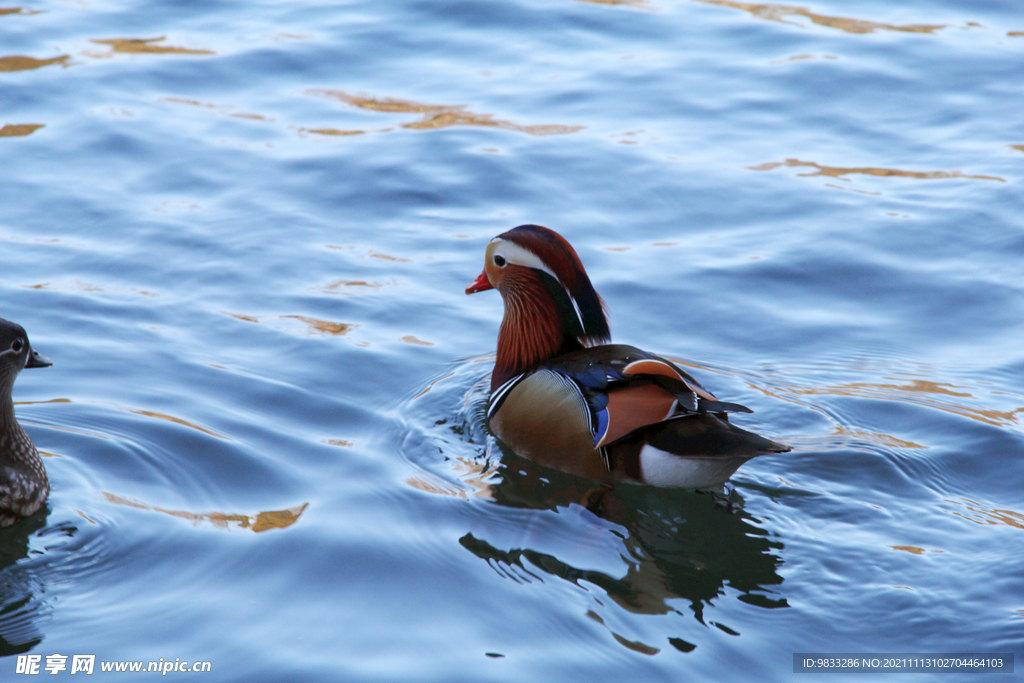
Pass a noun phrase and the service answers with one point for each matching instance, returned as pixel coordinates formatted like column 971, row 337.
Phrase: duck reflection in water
column 21, row 590
column 651, row 550
column 675, row 546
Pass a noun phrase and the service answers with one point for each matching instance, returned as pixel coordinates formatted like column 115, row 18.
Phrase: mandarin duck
column 23, row 482
column 565, row 398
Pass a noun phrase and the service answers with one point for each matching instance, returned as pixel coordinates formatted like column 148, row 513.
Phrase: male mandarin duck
column 564, row 398
column 23, row 482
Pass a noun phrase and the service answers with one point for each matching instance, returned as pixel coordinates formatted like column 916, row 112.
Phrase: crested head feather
column 557, row 259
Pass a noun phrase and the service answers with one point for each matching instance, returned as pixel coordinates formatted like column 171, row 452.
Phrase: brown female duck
column 564, row 398
column 23, row 482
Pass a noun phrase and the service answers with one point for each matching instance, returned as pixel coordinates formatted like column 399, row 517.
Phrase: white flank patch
column 660, row 468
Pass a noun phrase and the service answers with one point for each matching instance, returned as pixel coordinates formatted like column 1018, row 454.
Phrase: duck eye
column 499, row 260
column 18, row 345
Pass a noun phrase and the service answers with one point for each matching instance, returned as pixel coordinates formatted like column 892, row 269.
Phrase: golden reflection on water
column 476, row 476
column 19, row 10
column 217, row 107
column 387, row 257
column 353, row 287
column 96, row 435
column 146, row 46
column 439, row 116
column 272, row 519
column 176, row 420
column 797, row 58
column 431, row 385
column 89, row 288
column 773, row 12
column 639, row 4
column 905, row 389
column 369, row 254
column 918, row 392
column 240, row 316
column 330, row 131
column 979, row 514
column 409, row 339
column 324, row 326
column 914, row 550
column 838, row 171
column 20, row 63
column 314, row 325
column 874, row 437
column 15, row 130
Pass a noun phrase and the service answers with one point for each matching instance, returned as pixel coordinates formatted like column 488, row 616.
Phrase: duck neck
column 15, row 444
column 532, row 331
column 6, row 403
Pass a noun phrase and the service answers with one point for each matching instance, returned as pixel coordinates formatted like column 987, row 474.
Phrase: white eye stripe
column 517, row 255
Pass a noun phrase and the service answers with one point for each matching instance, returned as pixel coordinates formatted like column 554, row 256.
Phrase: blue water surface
column 242, row 232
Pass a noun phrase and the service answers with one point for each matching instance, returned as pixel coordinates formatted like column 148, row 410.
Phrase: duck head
column 550, row 306
column 16, row 353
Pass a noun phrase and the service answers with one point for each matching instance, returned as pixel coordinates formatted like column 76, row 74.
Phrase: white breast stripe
column 499, row 394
